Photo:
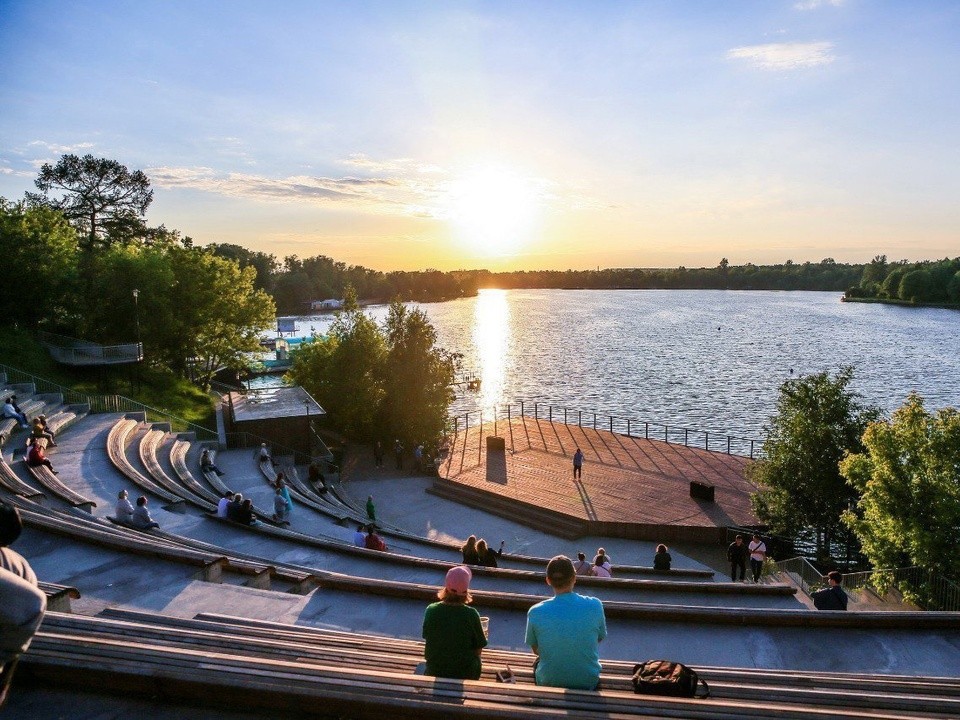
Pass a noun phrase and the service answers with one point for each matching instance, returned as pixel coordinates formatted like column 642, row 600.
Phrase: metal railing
column 71, row 351
column 673, row 434
column 803, row 573
column 106, row 403
column 927, row 588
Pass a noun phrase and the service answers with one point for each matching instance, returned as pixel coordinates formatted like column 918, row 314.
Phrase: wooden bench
column 51, row 482
column 231, row 671
column 116, row 451
column 59, row 596
column 12, row 482
column 266, row 638
column 321, row 506
column 178, row 460
column 148, row 456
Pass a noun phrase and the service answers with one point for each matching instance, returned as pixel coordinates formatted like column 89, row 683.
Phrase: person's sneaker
column 55, row 472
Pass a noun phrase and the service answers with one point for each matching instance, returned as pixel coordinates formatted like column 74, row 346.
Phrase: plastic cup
column 485, row 624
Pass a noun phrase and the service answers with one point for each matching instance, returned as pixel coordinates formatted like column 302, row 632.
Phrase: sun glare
column 495, row 212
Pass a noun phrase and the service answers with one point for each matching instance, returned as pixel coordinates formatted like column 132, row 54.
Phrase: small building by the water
column 326, row 305
column 280, row 416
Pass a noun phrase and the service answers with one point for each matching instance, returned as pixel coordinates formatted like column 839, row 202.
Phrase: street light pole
column 306, row 404
column 136, row 314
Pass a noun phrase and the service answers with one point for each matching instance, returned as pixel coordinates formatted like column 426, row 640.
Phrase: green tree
column 953, row 288
column 418, row 381
column 102, row 198
column 220, row 312
column 344, row 370
column 818, row 421
column 916, row 286
column 40, row 247
column 908, row 479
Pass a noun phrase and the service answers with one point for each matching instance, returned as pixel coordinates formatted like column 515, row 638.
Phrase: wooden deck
column 631, row 487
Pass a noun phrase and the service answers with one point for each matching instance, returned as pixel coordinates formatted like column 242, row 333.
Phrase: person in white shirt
column 359, row 538
column 758, row 551
column 124, row 511
column 224, row 504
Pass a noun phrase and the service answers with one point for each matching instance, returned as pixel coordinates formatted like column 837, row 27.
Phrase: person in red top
column 36, row 458
column 374, row 541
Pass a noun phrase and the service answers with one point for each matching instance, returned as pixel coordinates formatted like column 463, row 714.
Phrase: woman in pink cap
column 453, row 634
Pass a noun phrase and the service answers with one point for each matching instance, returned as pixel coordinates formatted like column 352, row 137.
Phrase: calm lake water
column 706, row 360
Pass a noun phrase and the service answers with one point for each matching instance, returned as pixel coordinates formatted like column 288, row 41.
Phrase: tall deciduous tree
column 818, row 421
column 908, row 478
column 418, row 380
column 105, row 201
column 39, row 249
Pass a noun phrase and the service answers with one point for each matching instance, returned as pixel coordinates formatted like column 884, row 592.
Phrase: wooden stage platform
column 631, row 487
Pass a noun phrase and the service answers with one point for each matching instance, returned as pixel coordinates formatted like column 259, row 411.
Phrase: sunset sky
column 405, row 135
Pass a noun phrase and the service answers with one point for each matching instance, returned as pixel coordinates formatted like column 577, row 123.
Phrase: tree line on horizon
column 928, row 282
column 294, row 283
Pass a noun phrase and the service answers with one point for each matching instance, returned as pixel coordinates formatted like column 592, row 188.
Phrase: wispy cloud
column 60, row 149
column 785, row 56
column 814, row 4
column 375, row 193
column 402, row 187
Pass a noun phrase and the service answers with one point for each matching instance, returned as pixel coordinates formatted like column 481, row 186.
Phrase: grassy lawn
column 155, row 388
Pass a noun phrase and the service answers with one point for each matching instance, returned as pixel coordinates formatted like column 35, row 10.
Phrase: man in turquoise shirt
column 565, row 631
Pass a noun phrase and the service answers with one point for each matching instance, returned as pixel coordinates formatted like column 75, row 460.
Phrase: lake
column 702, row 359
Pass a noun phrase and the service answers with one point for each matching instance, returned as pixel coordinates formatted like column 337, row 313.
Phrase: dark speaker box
column 496, row 444
column 701, row 491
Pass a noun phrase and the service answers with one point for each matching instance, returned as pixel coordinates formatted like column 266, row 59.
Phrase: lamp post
column 306, row 404
column 136, row 315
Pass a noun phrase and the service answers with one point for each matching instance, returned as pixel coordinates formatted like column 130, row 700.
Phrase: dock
column 631, row 487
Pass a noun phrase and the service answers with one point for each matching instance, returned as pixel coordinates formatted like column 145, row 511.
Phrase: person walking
column 737, row 553
column 398, row 453
column 565, row 632
column 578, row 464
column 378, row 454
column 758, row 552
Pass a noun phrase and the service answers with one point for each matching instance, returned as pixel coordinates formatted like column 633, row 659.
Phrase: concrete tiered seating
column 46, row 477
column 148, row 456
column 116, row 449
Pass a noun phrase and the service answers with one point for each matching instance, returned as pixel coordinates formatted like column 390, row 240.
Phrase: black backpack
column 663, row 677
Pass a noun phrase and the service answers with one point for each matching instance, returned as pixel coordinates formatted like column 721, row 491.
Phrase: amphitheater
column 208, row 619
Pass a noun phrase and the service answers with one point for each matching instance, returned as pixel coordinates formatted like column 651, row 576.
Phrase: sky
column 506, row 135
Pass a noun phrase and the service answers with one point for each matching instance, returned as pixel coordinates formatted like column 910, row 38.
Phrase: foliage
column 418, row 379
column 818, row 421
column 264, row 263
column 343, row 370
column 103, row 199
column 920, row 283
column 380, row 382
column 38, row 248
column 908, row 479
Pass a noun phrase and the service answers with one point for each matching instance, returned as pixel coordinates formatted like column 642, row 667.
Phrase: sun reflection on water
column 491, row 336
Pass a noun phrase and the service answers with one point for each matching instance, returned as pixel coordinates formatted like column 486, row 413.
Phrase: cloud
column 378, row 194
column 814, row 4
column 60, row 149
column 785, row 56
column 397, row 165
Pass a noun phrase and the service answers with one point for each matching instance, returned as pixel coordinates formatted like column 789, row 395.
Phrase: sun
column 494, row 211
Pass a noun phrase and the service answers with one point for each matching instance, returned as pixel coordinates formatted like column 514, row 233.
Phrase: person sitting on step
column 206, row 464
column 141, row 516
column 582, row 567
column 36, row 458
column 662, row 559
column 224, row 504
column 10, row 411
column 24, row 604
column 245, row 513
column 40, row 430
column 124, row 512
column 488, row 557
column 374, row 541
